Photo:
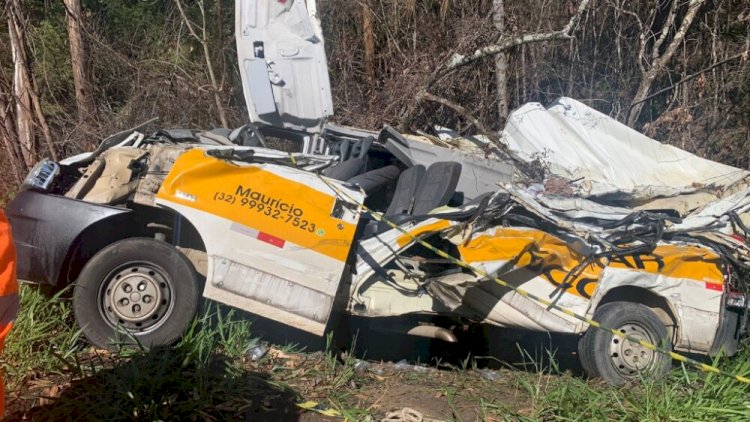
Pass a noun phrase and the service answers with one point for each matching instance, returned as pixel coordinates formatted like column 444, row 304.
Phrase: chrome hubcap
column 629, row 357
column 136, row 297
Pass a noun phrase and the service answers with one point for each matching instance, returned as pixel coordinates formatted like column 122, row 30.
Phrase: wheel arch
column 657, row 303
column 143, row 221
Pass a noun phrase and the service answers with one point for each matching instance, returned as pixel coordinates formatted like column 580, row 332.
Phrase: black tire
column 616, row 360
column 136, row 291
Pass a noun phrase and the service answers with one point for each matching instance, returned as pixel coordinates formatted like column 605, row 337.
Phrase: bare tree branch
column 495, row 145
column 664, row 31
column 742, row 55
column 566, row 33
column 660, row 61
column 203, row 41
column 457, row 60
column 463, row 113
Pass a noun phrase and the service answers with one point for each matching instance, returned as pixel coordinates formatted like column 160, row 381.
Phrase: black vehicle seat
column 418, row 192
column 352, row 156
column 343, row 150
column 403, row 197
column 360, row 148
column 373, row 180
column 437, row 188
column 346, row 169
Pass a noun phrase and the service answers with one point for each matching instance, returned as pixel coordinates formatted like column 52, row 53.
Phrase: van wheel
column 136, row 291
column 617, row 360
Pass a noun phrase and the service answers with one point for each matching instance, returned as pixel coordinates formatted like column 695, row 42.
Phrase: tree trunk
column 501, row 62
column 8, row 133
column 26, row 97
column 203, row 40
column 81, row 81
column 24, row 123
column 369, row 39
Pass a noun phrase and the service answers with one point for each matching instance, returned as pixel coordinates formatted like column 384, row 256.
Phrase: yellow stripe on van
column 260, row 199
column 553, row 259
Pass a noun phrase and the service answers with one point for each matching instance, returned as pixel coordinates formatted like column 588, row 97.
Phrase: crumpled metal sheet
column 688, row 276
column 115, row 181
column 588, row 220
column 606, row 158
column 161, row 159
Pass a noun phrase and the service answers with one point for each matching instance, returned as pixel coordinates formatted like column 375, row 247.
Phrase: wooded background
column 74, row 71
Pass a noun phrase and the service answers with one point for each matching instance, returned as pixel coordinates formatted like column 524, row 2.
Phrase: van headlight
column 41, row 176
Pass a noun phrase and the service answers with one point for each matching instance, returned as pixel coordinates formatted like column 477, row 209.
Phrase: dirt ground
column 371, row 391
column 363, row 382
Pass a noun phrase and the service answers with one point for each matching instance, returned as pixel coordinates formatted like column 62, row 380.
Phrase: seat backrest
column 437, row 187
column 374, row 180
column 418, row 192
column 403, row 196
column 346, row 169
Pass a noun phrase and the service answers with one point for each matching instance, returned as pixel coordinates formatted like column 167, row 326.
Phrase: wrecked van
column 642, row 237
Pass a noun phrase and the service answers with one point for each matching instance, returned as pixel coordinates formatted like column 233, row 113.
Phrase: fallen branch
column 495, row 145
column 463, row 113
column 458, row 60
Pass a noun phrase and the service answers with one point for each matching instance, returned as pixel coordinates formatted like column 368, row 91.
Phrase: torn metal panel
column 110, row 178
column 87, row 180
column 617, row 162
column 398, row 295
column 489, row 303
column 530, row 202
column 161, row 158
column 574, row 208
column 717, row 212
column 681, row 204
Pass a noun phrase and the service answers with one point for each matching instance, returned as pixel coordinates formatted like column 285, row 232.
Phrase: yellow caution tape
column 316, row 407
column 547, row 303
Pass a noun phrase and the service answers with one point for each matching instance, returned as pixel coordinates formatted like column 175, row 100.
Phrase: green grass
column 202, row 377
column 43, row 338
column 685, row 396
column 208, row 376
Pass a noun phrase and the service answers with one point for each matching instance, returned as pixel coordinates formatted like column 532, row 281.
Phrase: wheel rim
column 136, row 296
column 629, row 357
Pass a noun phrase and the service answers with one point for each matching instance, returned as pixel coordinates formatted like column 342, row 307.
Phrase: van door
column 283, row 63
column 278, row 238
